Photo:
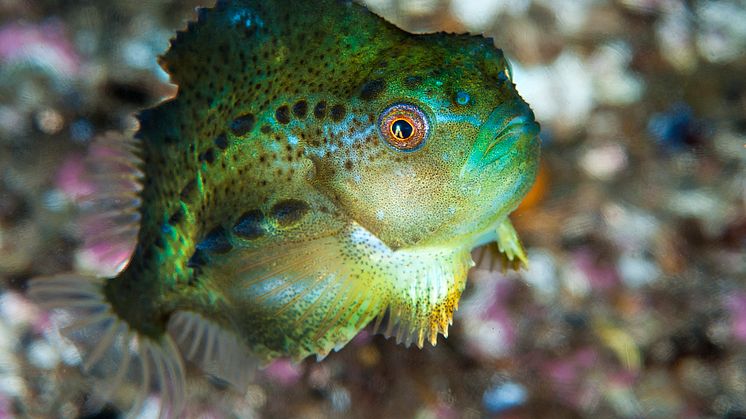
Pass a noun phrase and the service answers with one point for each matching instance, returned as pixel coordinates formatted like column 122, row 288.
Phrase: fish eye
column 402, row 129
column 404, row 126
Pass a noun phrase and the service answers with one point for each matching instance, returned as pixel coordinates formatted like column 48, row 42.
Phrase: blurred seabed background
column 635, row 301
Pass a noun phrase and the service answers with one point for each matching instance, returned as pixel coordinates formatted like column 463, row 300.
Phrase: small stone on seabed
column 50, row 121
column 43, row 356
column 604, row 162
column 504, row 397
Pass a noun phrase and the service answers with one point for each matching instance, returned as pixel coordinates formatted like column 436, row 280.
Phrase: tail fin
column 216, row 350
column 112, row 353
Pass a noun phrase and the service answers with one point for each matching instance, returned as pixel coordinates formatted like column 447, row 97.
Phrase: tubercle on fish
column 293, row 195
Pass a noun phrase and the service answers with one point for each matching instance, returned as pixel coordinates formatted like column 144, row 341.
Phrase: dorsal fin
column 209, row 40
column 223, row 38
column 109, row 211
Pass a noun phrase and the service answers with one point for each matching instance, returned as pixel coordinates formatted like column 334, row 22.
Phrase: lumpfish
column 318, row 170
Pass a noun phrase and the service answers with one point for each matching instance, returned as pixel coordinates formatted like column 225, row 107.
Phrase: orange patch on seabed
column 537, row 191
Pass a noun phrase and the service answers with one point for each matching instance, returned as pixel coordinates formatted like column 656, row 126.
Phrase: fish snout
column 507, row 127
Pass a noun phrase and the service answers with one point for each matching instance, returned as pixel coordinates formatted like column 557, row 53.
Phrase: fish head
column 437, row 147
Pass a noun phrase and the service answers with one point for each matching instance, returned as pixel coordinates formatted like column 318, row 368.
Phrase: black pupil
column 402, row 129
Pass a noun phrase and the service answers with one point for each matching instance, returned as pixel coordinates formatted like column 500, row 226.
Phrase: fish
column 318, row 170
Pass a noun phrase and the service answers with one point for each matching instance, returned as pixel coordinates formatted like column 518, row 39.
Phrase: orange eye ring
column 404, row 126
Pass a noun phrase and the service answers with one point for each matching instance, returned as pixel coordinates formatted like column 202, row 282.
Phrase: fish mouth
column 509, row 125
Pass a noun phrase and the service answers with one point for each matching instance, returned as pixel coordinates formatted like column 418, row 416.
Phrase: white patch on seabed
column 562, row 91
column 477, row 14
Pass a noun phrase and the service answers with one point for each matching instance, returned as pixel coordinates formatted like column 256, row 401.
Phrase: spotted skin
column 274, row 206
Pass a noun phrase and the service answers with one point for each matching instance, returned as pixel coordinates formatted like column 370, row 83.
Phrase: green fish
column 318, row 170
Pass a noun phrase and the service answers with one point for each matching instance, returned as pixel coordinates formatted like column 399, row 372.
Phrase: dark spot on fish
column 222, row 48
column 176, row 217
column 348, row 165
column 243, row 124
column 208, row 156
column 250, row 225
column 319, row 111
column 338, row 112
column 282, row 114
column 221, row 142
column 215, row 241
column 300, row 109
column 289, row 211
column 372, row 89
column 147, row 254
column 266, row 129
column 193, row 279
column 187, row 191
column 198, row 259
column 412, row 82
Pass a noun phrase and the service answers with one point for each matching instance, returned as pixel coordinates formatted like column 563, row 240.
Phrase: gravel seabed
column 635, row 301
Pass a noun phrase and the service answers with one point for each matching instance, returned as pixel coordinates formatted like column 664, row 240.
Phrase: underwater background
column 634, row 304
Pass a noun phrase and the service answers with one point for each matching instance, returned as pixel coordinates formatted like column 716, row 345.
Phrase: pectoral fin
column 310, row 297
column 510, row 245
column 426, row 290
column 506, row 253
column 297, row 299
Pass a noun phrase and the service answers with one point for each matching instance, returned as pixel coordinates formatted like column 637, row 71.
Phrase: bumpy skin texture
column 274, row 206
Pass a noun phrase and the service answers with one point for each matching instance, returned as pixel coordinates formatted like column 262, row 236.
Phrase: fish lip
column 506, row 127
